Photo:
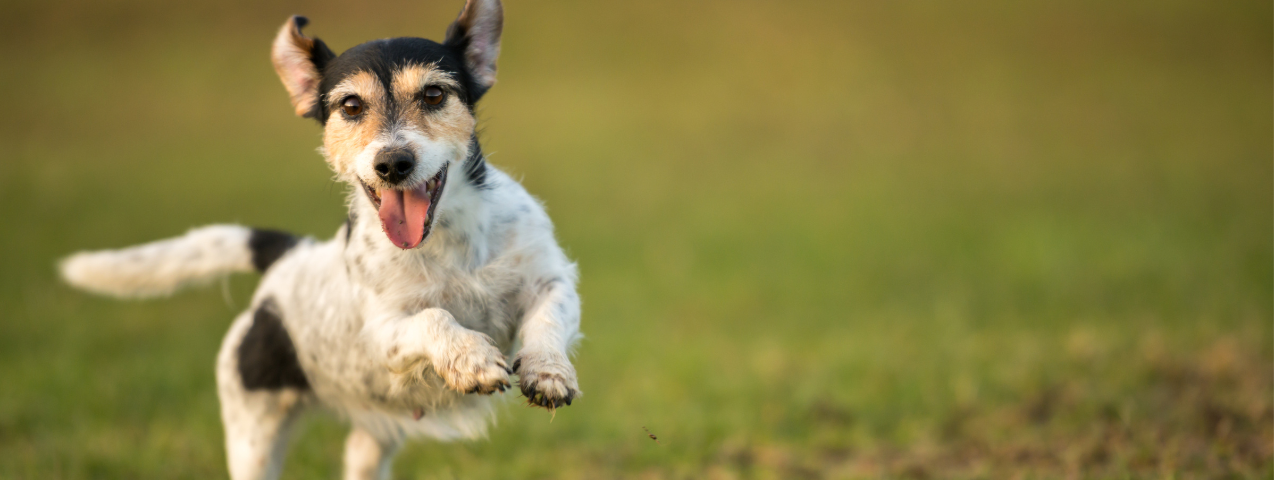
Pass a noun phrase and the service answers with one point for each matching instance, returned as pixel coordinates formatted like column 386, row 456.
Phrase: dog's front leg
column 468, row 361
column 545, row 373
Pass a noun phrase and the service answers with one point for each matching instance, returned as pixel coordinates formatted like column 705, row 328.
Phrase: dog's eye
column 352, row 106
column 433, row 95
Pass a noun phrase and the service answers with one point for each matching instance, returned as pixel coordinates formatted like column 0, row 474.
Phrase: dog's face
column 398, row 114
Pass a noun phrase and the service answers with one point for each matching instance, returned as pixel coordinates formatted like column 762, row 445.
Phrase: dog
column 405, row 321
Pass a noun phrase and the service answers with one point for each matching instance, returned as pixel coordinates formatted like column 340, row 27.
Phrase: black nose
column 394, row 164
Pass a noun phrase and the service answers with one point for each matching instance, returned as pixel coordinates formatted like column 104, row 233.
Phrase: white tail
column 160, row 268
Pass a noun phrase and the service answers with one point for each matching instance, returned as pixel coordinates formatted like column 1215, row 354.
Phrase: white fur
column 402, row 343
column 161, row 268
column 366, row 457
column 382, row 333
column 430, row 154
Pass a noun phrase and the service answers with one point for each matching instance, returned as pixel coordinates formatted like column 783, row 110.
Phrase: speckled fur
column 402, row 343
column 382, row 332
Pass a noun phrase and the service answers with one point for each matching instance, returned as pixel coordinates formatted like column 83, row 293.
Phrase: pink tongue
column 403, row 215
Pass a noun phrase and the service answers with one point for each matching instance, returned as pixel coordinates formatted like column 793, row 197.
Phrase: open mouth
column 407, row 215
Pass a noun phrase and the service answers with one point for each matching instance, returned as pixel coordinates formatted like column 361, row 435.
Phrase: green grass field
column 980, row 239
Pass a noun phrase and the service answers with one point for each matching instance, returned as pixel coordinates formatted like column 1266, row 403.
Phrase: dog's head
column 398, row 114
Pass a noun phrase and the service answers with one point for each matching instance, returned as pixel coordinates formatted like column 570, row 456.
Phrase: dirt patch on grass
column 1201, row 415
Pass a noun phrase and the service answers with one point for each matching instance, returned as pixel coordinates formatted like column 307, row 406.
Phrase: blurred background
column 854, row 239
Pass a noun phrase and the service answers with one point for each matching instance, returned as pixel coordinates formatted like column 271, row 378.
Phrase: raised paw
column 546, row 379
column 473, row 364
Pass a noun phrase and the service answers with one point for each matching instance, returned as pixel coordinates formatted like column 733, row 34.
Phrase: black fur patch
column 475, row 167
column 383, row 57
column 267, row 358
column 349, row 225
column 268, row 245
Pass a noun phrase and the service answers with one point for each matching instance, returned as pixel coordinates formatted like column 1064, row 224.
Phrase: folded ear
column 299, row 61
column 476, row 33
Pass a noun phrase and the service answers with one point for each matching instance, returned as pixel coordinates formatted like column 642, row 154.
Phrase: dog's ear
column 299, row 61
column 476, row 34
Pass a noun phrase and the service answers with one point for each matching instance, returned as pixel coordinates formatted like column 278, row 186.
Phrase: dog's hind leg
column 257, row 409
column 367, row 458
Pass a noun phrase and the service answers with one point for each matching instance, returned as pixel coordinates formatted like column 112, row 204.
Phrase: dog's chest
column 486, row 299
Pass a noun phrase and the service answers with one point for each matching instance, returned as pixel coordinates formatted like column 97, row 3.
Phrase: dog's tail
column 160, row 268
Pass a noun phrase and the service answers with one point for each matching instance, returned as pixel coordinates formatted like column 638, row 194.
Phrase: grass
column 855, row 240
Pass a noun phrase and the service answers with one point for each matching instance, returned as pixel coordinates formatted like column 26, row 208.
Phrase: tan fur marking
column 453, row 123
column 291, row 58
column 344, row 139
column 410, row 80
